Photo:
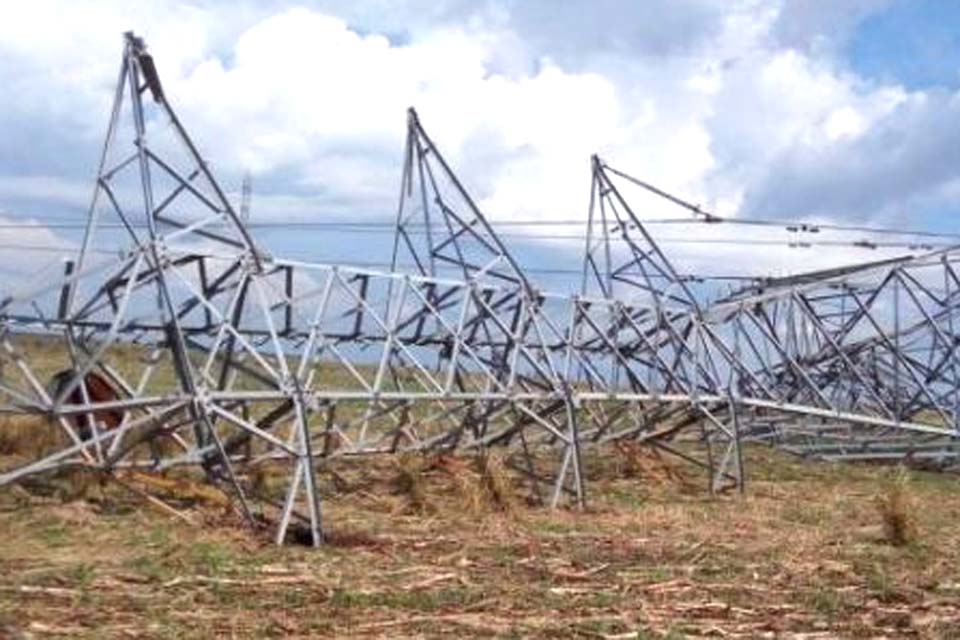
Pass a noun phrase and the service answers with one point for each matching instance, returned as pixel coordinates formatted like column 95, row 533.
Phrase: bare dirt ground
column 436, row 548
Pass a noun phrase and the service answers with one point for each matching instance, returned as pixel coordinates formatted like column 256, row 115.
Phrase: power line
column 382, row 229
column 377, row 264
column 334, row 224
column 707, row 217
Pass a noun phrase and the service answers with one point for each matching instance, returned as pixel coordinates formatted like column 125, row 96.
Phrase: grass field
column 443, row 547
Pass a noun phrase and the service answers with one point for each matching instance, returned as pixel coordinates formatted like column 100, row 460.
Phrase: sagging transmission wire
column 707, row 217
column 363, row 264
column 811, row 227
column 421, row 231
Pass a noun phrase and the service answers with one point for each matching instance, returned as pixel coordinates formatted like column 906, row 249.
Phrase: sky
column 841, row 112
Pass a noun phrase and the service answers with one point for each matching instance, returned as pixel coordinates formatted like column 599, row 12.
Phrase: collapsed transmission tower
column 186, row 344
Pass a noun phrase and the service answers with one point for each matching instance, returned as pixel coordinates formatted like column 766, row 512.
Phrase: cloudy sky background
column 845, row 111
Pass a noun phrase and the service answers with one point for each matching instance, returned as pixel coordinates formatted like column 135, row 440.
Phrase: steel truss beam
column 220, row 356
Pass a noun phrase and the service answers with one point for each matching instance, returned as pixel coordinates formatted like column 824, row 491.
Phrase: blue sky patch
column 915, row 43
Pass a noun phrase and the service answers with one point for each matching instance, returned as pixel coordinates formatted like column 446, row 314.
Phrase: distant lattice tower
column 246, row 194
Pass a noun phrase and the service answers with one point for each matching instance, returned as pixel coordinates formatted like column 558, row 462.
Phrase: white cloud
column 904, row 161
column 741, row 106
column 30, row 256
column 821, row 24
column 52, row 190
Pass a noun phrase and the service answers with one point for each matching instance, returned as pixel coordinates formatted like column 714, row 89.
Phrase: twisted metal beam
column 231, row 360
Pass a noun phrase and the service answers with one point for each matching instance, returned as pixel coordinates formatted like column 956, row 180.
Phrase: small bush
column 408, row 482
column 482, row 483
column 495, row 481
column 896, row 509
column 635, row 460
column 27, row 436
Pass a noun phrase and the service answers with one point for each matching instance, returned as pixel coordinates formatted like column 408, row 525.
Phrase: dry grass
column 446, row 546
column 496, row 488
column 481, row 482
column 897, row 509
column 408, row 482
column 28, row 437
column 634, row 460
column 802, row 555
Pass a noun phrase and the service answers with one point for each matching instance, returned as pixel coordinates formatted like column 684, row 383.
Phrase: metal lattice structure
column 221, row 356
